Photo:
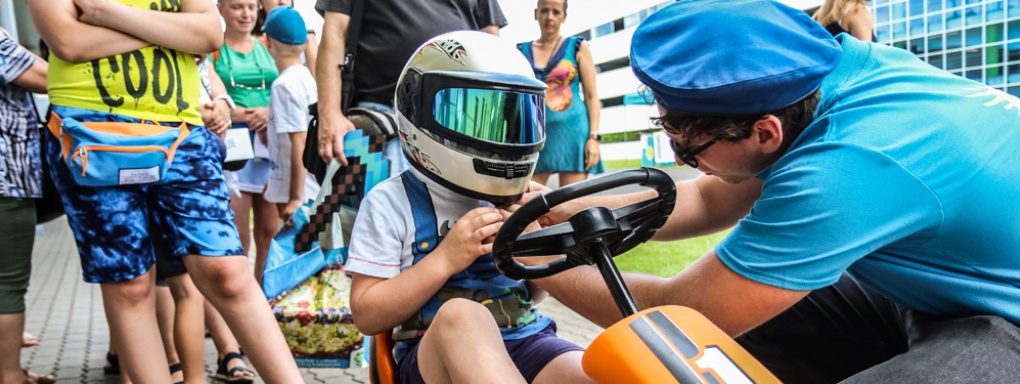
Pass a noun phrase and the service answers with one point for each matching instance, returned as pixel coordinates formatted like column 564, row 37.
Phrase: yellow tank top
column 152, row 83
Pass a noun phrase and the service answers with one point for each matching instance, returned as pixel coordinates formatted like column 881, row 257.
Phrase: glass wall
column 976, row 39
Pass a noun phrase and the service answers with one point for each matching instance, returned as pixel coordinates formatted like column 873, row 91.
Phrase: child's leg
column 544, row 358
column 266, row 226
column 229, row 286
column 463, row 345
column 131, row 313
column 189, row 327
column 241, row 206
column 165, row 319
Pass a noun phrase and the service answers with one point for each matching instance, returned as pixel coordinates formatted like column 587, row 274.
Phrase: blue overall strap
column 426, row 236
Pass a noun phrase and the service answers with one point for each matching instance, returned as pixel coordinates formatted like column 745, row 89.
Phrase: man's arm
column 195, row 29
column 333, row 125
column 74, row 41
column 734, row 303
column 708, row 205
column 492, row 29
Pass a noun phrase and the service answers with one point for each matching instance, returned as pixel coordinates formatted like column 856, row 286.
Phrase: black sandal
column 114, row 367
column 174, row 369
column 228, row 375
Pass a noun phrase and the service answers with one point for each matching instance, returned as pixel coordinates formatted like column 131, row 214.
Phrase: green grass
column 612, row 165
column 667, row 259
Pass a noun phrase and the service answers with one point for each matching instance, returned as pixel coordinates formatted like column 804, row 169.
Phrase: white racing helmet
column 472, row 115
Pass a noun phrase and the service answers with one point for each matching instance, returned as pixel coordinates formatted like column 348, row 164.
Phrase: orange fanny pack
column 102, row 154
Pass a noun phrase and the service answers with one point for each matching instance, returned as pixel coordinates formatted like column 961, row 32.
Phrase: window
column 1013, row 52
column 954, row 19
column 1015, row 91
column 993, row 76
column 917, row 27
column 1014, row 29
column 899, row 30
column 917, row 46
column 953, row 40
column 882, row 33
column 954, row 60
column 935, row 23
column 613, row 64
column 618, row 25
column 900, row 44
column 974, row 74
column 916, row 7
column 899, row 11
column 935, row 61
column 973, row 15
column 935, row 44
column 973, row 57
column 1014, row 8
column 1013, row 75
column 612, row 101
column 994, row 11
column 882, row 14
column 953, row 3
column 934, row 5
column 973, row 1
column 993, row 33
column 603, row 30
column 632, row 20
column 585, row 35
column 994, row 54
column 973, row 37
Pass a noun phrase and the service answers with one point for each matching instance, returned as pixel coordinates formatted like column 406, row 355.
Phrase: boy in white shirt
column 290, row 185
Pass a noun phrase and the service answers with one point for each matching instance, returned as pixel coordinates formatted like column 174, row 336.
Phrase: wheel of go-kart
column 620, row 229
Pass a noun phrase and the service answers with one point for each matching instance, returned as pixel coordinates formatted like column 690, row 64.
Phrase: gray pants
column 849, row 333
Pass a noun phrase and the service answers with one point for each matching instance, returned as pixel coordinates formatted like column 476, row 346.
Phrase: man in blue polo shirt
column 876, row 200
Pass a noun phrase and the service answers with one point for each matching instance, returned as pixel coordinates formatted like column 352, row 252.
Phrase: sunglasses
column 687, row 156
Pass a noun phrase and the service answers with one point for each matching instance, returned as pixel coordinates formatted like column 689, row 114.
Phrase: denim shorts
column 189, row 210
column 530, row 354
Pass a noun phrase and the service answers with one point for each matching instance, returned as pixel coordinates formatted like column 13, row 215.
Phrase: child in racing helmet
column 471, row 124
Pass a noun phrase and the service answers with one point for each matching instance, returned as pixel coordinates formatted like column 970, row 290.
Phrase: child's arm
column 379, row 304
column 297, row 173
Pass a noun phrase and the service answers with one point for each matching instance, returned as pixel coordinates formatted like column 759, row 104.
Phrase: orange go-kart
column 668, row 344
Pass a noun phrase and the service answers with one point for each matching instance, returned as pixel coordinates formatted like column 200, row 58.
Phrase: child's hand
column 287, row 210
column 257, row 118
column 470, row 238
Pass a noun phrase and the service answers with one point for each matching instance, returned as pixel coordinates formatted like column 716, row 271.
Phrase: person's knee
column 462, row 315
column 130, row 293
column 225, row 278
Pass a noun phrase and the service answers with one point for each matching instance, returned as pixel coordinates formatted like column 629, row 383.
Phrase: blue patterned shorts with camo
column 189, row 209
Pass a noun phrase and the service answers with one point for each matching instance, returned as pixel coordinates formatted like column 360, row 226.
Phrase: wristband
column 230, row 101
column 595, row 136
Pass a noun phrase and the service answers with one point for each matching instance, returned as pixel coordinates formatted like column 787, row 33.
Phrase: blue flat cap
column 731, row 57
column 284, row 24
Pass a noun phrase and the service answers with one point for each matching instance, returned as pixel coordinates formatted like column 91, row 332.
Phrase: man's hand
column 287, row 210
column 91, row 10
column 331, row 136
column 470, row 238
column 216, row 117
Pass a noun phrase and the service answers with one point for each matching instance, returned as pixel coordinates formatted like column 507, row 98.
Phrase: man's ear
column 768, row 133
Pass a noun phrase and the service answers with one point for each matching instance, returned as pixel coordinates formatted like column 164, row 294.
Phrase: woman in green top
column 248, row 72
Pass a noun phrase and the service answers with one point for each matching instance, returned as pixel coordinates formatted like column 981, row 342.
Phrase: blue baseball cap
column 731, row 57
column 284, row 24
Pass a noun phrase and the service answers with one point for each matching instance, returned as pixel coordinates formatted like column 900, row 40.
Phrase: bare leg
column 12, row 324
column 229, row 286
column 165, row 320
column 461, row 335
column 222, row 338
column 124, row 378
column 567, row 178
column 266, row 226
column 242, row 219
column 131, row 313
column 565, row 368
column 189, row 327
column 541, row 178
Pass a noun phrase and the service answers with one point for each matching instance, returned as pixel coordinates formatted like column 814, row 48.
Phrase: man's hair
column 795, row 118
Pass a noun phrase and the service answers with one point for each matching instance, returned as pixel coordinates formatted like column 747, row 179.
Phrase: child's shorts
column 530, row 354
column 189, row 209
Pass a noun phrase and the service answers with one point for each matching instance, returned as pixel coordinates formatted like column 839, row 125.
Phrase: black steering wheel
column 618, row 230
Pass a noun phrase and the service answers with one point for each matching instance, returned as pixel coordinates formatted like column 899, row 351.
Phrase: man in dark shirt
column 390, row 32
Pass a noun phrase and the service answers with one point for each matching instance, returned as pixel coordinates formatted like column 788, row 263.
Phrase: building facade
column 976, row 39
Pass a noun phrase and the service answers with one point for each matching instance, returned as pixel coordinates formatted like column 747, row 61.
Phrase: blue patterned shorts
column 189, row 209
